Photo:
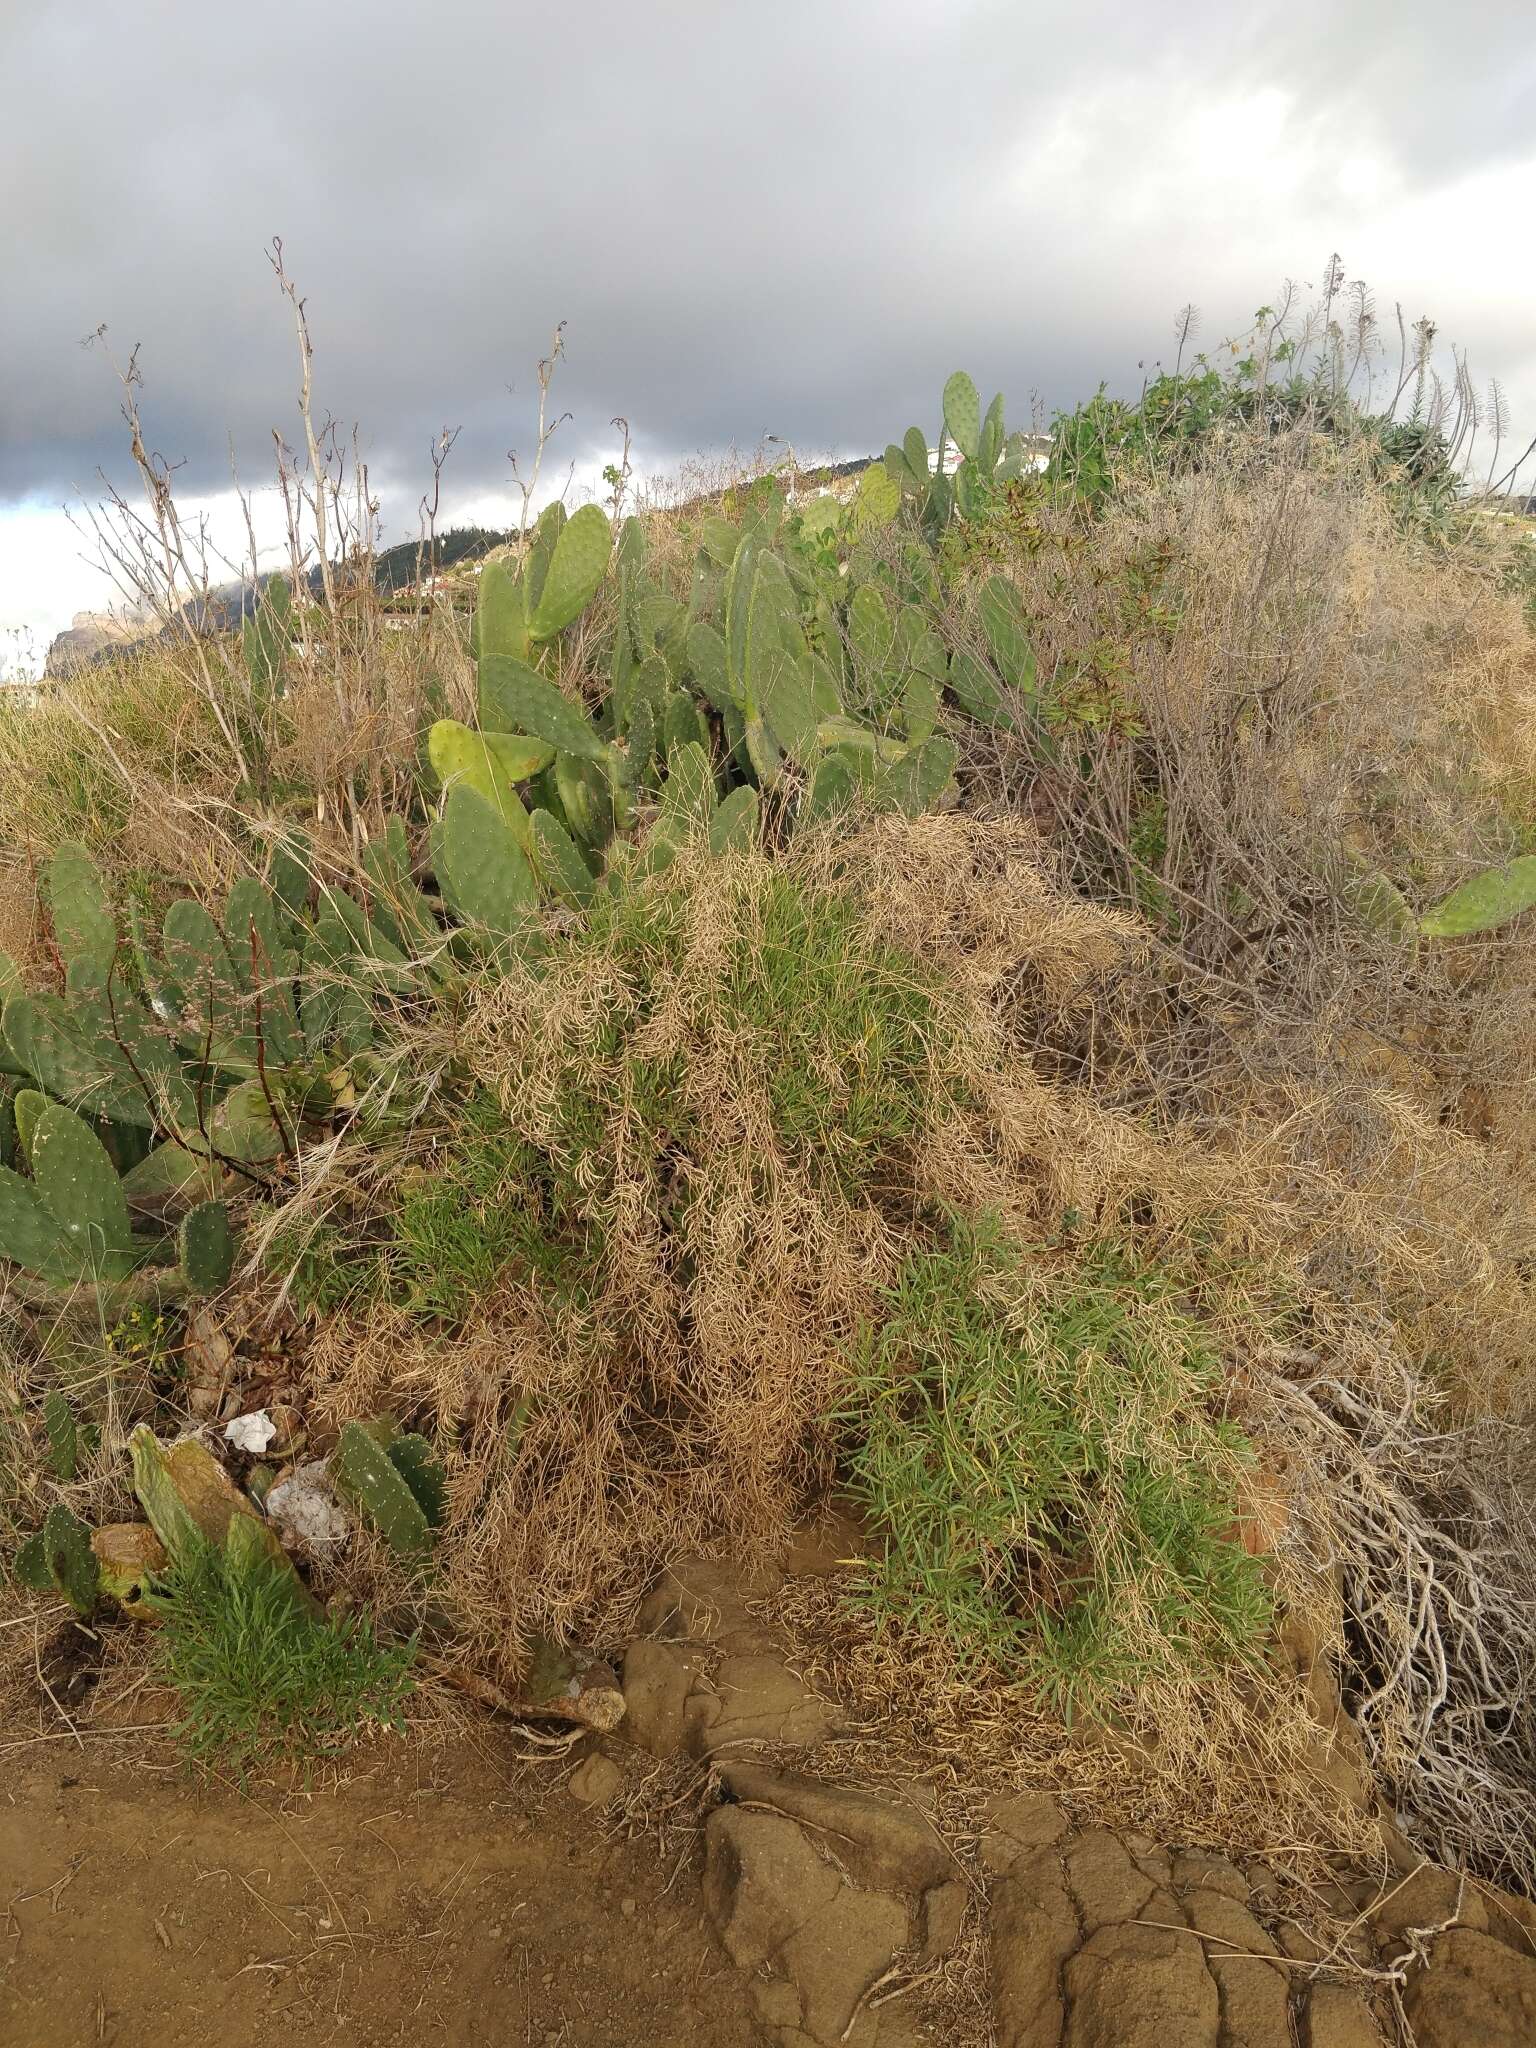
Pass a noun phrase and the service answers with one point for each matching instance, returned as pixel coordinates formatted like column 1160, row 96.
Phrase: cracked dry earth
column 457, row 1893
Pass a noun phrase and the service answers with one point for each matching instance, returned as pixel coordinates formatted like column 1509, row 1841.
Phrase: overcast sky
column 756, row 216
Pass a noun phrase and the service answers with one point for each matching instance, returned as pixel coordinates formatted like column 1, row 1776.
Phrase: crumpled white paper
column 251, row 1432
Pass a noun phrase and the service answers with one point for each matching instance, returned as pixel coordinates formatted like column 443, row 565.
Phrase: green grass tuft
column 262, row 1680
column 1056, row 1492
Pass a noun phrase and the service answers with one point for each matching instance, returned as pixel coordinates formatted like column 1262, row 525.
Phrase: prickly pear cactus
column 29, row 1106
column 557, row 861
column 69, row 1223
column 489, row 763
column 63, row 1436
column 83, row 925
column 422, row 1470
column 30, row 1564
column 80, row 1186
column 962, row 414
column 517, row 699
column 482, row 869
column 130, row 1557
column 737, row 821
column 363, row 1470
column 1485, row 902
column 576, row 568
column 72, row 1564
column 265, row 636
column 191, row 1500
column 206, row 1248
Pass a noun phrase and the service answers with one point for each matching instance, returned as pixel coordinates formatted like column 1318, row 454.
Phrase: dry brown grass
column 680, row 1399
column 1294, row 687
column 130, row 758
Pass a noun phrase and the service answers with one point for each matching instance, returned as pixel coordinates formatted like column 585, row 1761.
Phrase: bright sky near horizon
column 793, row 221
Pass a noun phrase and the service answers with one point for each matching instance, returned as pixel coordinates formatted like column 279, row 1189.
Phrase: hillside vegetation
column 1003, row 998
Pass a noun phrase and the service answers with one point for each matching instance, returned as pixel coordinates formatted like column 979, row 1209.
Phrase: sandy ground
column 443, row 1892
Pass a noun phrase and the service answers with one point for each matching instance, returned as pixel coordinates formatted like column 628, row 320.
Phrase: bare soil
column 443, row 1892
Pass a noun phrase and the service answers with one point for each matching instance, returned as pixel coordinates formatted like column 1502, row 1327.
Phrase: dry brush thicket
column 1123, row 993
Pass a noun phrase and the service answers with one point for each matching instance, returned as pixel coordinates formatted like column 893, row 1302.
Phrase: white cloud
column 796, row 219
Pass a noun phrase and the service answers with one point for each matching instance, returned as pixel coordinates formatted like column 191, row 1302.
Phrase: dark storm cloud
column 785, row 217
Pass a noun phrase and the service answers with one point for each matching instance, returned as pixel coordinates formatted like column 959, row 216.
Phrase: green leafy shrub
column 1042, row 1454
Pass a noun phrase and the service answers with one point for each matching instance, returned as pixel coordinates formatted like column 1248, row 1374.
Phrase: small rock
column 762, row 1882
column 1141, row 1987
column 757, row 1699
column 1104, row 1881
column 628, row 1908
column 657, row 1679
column 1227, row 1922
column 596, row 1782
column 1432, row 1897
column 568, row 1683
column 838, row 1954
column 882, row 1846
column 700, row 1600
column 1473, row 1990
column 1018, row 1821
column 1211, row 1873
column 1034, row 1930
column 943, row 1920
column 1337, row 2017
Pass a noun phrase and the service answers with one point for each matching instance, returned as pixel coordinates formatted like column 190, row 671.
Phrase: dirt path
column 441, row 1895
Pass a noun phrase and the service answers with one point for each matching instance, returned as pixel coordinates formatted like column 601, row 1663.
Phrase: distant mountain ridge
column 98, row 636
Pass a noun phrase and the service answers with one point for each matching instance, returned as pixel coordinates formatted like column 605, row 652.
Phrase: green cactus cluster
column 58, row 1558
column 394, row 1479
column 800, row 675
column 63, row 1436
column 69, row 1225
column 781, row 673
column 1485, row 901
column 267, row 634
column 990, row 457
column 171, row 1064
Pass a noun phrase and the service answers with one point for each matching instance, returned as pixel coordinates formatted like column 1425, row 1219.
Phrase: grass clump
column 1043, row 1453
column 262, row 1679
column 623, row 1276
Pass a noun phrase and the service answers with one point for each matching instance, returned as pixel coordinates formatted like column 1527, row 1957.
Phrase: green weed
column 1043, row 1457
column 263, row 1681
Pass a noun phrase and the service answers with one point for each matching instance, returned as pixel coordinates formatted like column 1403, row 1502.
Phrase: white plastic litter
column 251, row 1432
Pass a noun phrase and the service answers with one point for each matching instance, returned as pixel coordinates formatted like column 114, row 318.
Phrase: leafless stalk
column 547, row 429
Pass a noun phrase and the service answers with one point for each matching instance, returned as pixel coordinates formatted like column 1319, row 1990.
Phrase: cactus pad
column 206, row 1248
column 365, row 1472
column 72, row 1563
column 1485, row 902
column 517, row 699
column 576, row 568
